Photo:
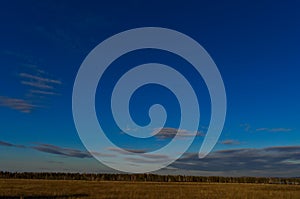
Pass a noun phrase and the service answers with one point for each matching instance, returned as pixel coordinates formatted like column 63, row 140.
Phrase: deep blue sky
column 255, row 45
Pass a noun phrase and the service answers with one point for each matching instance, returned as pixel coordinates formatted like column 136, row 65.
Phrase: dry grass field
column 16, row 188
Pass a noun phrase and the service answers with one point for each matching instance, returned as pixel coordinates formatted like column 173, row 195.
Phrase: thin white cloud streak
column 37, row 85
column 274, row 130
column 39, row 78
column 43, row 92
column 230, row 142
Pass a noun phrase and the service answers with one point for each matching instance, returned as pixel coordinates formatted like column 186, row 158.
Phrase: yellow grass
column 108, row 189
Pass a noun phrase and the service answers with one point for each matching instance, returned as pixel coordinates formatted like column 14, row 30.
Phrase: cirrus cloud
column 169, row 133
column 274, row 130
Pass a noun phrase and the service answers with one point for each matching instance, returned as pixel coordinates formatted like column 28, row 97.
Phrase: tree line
column 146, row 177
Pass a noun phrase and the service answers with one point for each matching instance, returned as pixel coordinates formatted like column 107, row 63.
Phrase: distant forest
column 147, row 178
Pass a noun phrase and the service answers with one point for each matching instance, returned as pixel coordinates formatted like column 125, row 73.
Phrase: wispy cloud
column 169, row 133
column 43, row 92
column 139, row 156
column 39, row 78
column 57, row 150
column 99, row 154
column 230, row 142
column 21, row 105
column 68, row 152
column 143, row 160
column 138, row 152
column 7, row 144
column 41, row 86
column 126, row 151
column 155, row 156
column 274, row 130
column 248, row 128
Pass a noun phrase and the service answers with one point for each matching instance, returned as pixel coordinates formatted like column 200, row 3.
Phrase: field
column 17, row 188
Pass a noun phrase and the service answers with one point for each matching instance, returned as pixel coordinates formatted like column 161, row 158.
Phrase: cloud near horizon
column 68, row 152
column 277, row 161
column 270, row 161
column 7, row 144
column 52, row 149
column 139, row 152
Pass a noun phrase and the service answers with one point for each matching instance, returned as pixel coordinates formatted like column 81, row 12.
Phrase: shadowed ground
column 14, row 188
